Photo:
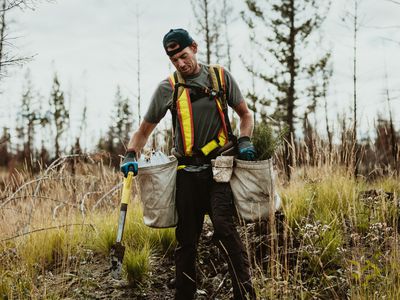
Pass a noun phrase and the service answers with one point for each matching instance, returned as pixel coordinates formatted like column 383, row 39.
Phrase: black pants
column 198, row 194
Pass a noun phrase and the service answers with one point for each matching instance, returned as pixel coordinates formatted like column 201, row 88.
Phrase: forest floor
column 89, row 278
column 339, row 239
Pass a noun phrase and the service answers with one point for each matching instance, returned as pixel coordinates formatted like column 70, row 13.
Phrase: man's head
column 178, row 39
column 181, row 49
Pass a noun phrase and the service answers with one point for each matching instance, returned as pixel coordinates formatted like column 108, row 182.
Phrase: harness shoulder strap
column 218, row 82
column 177, row 92
column 178, row 89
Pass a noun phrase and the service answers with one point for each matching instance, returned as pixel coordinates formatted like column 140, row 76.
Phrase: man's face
column 185, row 61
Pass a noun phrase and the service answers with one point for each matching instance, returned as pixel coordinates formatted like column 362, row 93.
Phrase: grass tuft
column 137, row 264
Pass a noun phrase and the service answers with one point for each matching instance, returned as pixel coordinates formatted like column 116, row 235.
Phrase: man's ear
column 193, row 46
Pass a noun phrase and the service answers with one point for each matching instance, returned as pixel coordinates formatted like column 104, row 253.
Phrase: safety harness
column 182, row 110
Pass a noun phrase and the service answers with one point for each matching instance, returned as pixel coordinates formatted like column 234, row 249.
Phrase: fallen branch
column 53, row 165
column 46, row 198
column 48, row 228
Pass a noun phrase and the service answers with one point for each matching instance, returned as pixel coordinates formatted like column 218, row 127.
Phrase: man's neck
column 195, row 73
column 198, row 68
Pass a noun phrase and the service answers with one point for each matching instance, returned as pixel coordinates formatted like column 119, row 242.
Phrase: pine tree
column 28, row 119
column 5, row 154
column 120, row 128
column 59, row 114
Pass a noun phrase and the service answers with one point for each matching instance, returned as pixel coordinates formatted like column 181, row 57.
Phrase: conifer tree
column 120, row 128
column 5, row 154
column 287, row 28
column 27, row 120
column 59, row 114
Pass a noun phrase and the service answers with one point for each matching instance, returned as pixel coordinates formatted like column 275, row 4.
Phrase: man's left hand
column 246, row 149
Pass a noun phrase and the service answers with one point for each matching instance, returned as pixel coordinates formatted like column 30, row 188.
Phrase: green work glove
column 246, row 149
column 129, row 164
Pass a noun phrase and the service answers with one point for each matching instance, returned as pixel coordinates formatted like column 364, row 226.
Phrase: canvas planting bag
column 253, row 187
column 157, row 193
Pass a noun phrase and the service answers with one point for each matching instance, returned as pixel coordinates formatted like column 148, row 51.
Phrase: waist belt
column 194, row 160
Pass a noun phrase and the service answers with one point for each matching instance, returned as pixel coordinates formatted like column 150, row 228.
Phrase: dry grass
column 338, row 240
column 52, row 221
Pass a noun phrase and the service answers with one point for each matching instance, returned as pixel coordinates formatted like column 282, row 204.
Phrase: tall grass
column 54, row 221
column 339, row 239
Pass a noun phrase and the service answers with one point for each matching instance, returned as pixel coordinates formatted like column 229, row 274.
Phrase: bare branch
column 393, row 1
column 48, row 228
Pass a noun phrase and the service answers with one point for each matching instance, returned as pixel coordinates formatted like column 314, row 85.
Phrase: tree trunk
column 354, row 146
column 2, row 31
column 290, row 95
column 207, row 30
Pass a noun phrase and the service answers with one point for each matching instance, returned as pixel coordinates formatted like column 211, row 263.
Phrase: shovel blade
column 116, row 257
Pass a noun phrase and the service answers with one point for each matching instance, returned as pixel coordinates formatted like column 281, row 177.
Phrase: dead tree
column 8, row 57
column 352, row 20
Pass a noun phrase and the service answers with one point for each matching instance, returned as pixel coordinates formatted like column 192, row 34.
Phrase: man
column 201, row 128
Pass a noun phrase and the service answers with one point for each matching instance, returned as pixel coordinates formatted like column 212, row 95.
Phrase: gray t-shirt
column 206, row 118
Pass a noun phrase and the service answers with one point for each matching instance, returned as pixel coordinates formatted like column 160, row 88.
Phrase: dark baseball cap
column 179, row 36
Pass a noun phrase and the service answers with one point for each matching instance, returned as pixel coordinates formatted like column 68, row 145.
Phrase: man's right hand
column 129, row 164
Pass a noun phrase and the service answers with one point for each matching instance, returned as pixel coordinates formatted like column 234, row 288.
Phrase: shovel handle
column 126, row 190
column 126, row 194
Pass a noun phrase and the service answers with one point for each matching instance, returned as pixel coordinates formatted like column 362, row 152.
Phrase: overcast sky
column 92, row 45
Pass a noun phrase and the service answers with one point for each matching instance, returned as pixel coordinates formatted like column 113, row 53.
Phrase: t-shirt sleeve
column 160, row 102
column 234, row 95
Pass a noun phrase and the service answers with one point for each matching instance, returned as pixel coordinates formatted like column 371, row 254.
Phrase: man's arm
column 246, row 119
column 246, row 150
column 140, row 137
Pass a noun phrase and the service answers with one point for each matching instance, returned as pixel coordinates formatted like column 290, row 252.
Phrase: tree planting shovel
column 118, row 250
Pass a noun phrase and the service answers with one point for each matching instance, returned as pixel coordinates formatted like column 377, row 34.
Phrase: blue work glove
column 129, row 163
column 246, row 149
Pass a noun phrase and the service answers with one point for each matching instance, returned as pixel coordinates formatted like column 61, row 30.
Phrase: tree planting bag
column 157, row 192
column 253, row 184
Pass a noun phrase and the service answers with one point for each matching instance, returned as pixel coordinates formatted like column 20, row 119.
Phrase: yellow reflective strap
column 172, row 82
column 213, row 76
column 181, row 167
column 222, row 138
column 126, row 189
column 222, row 77
column 219, row 105
column 222, row 135
column 210, row 146
column 184, row 107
